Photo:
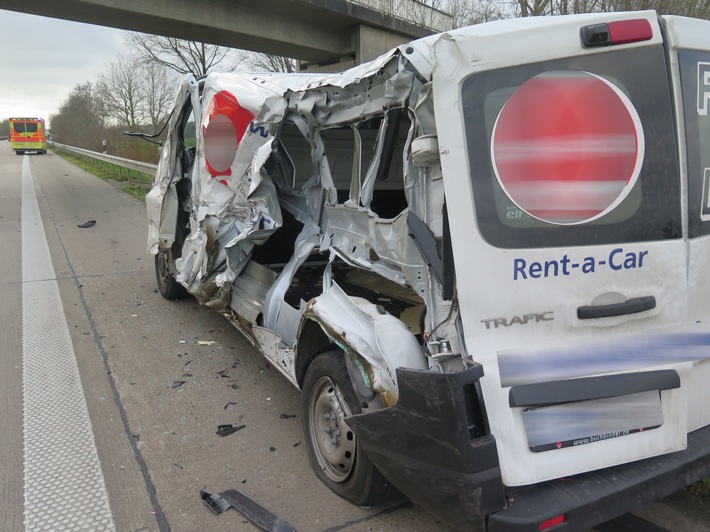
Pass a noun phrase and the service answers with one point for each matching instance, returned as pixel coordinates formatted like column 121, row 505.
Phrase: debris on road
column 177, row 384
column 287, row 416
column 226, row 430
column 87, row 224
column 251, row 509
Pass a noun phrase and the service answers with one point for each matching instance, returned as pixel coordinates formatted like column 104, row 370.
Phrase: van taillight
column 619, row 32
column 546, row 525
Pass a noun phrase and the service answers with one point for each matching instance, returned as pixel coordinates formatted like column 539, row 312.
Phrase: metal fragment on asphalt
column 251, row 509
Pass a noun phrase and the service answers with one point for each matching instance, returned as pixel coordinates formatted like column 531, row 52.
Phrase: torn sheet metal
column 169, row 168
column 364, row 330
column 273, row 178
column 251, row 509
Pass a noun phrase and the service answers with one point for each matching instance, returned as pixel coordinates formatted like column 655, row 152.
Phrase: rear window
column 572, row 152
column 25, row 127
column 695, row 82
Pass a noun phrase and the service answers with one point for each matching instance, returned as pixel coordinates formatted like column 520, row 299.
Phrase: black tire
column 337, row 460
column 168, row 287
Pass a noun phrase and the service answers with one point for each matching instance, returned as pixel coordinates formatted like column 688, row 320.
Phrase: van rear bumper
column 592, row 498
column 426, row 447
column 434, row 447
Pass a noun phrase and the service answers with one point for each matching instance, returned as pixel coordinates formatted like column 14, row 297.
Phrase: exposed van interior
column 352, row 154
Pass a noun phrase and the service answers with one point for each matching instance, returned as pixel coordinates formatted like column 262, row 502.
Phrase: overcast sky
column 42, row 59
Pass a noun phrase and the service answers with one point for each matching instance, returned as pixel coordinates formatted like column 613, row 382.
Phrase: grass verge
column 136, row 192
column 137, row 184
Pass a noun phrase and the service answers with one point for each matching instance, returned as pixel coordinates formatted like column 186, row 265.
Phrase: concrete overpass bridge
column 324, row 34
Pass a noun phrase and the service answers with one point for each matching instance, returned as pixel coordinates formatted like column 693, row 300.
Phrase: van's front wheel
column 328, row 400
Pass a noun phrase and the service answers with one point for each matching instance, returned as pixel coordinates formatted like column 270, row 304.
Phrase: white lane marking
column 63, row 484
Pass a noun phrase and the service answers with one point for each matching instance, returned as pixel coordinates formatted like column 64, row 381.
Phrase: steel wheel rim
column 333, row 442
column 163, row 271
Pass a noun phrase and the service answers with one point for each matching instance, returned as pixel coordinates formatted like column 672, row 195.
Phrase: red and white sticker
column 567, row 147
column 223, row 128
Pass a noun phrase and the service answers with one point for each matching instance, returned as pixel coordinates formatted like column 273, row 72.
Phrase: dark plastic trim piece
column 426, row 243
column 251, row 509
column 595, row 36
column 435, row 447
column 630, row 306
column 588, row 388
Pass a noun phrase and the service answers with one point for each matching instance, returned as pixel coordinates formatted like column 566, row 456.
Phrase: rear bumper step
column 592, row 498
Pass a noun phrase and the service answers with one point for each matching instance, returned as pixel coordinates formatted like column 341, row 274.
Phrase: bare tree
column 158, row 87
column 136, row 95
column 568, row 7
column 80, row 119
column 121, row 92
column 258, row 62
column 467, row 12
column 689, row 8
column 184, row 57
column 693, row 8
column 533, row 8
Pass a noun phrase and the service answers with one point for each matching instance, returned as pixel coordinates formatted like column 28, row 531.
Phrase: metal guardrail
column 119, row 163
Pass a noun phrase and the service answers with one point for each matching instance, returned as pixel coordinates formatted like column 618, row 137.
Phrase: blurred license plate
column 573, row 424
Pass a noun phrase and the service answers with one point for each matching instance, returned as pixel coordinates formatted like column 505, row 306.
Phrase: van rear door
column 563, row 188
column 688, row 41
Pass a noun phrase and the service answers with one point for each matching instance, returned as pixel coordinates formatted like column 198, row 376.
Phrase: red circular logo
column 567, row 147
column 225, row 124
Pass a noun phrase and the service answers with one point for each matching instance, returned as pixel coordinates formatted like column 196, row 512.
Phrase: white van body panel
column 499, row 330
column 691, row 34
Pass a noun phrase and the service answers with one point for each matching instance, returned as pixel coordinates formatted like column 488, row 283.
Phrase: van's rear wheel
column 328, row 400
column 168, row 287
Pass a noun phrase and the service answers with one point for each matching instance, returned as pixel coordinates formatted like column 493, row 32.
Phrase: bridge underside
column 319, row 32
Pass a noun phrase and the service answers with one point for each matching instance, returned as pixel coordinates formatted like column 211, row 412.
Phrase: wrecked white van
column 483, row 257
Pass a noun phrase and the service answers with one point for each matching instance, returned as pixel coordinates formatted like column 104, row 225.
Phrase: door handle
column 630, row 306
